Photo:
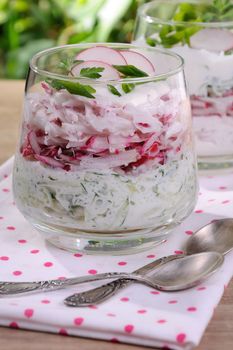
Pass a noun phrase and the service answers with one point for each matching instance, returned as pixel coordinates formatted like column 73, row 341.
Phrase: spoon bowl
column 216, row 236
column 186, row 272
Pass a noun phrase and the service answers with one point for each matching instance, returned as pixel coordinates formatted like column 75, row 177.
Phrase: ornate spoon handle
column 97, row 295
column 11, row 288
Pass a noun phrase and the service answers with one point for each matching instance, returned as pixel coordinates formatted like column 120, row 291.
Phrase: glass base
column 114, row 243
column 215, row 162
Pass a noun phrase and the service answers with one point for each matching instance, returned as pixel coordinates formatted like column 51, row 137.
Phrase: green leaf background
column 27, row 27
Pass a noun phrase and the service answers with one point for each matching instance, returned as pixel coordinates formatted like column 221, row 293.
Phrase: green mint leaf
column 127, row 87
column 67, row 64
column 185, row 13
column 73, row 87
column 77, row 61
column 170, row 36
column 188, row 32
column 228, row 52
column 130, row 71
column 93, row 72
column 113, row 90
column 219, row 10
column 64, row 64
column 152, row 42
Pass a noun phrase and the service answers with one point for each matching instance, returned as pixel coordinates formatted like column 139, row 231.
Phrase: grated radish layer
column 126, row 133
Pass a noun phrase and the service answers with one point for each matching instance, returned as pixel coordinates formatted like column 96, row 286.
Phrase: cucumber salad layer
column 103, row 156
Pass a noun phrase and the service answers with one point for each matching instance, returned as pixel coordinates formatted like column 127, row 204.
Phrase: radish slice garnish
column 212, row 39
column 138, row 60
column 108, row 73
column 103, row 54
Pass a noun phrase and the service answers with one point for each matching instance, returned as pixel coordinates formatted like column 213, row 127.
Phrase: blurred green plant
column 27, row 27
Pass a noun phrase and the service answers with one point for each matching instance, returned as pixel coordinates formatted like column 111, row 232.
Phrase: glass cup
column 105, row 164
column 204, row 38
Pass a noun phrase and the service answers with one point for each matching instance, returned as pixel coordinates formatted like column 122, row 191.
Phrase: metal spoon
column 176, row 275
column 173, row 276
column 12, row 288
column 216, row 236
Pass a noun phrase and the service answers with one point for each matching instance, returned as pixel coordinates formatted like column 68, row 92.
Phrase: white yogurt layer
column 105, row 200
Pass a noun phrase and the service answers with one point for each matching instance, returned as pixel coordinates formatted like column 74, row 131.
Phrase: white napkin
column 138, row 314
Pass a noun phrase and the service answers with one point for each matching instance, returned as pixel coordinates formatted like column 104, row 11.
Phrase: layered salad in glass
column 106, row 145
column 202, row 33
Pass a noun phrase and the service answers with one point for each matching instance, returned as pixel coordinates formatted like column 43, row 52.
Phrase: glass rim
column 142, row 11
column 34, row 67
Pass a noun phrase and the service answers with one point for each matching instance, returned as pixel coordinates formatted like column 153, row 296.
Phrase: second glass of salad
column 202, row 33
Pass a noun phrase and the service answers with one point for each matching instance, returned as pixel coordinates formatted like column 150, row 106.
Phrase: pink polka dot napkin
column 138, row 314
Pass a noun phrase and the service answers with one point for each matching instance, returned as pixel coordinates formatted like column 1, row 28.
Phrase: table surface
column 219, row 334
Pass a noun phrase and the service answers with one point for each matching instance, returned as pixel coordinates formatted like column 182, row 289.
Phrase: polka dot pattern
column 129, row 328
column 28, row 313
column 114, row 340
column 14, row 325
column 199, row 211
column 189, row 232
column 17, row 273
column 124, row 299
column 161, row 321
column 137, row 310
column 4, row 258
column 141, row 311
column 78, row 255
column 78, row 321
column 34, row 251
column 10, row 228
column 154, row 292
column 180, row 338
column 201, row 288
column 5, row 190
column 178, row 252
column 22, row 241
column 63, row 331
column 191, row 309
